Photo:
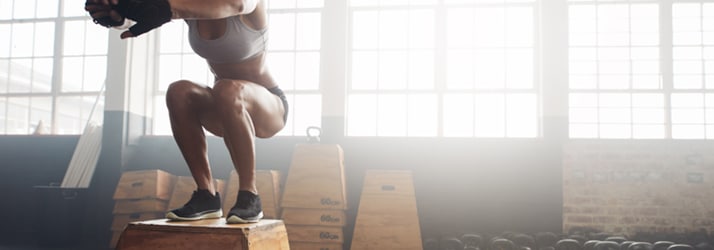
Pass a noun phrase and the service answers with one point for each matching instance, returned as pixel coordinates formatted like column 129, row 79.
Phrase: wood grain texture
column 387, row 217
column 316, row 217
column 145, row 184
column 204, row 234
column 316, row 178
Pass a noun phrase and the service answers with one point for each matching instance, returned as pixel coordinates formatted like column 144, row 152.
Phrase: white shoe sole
column 237, row 220
column 212, row 215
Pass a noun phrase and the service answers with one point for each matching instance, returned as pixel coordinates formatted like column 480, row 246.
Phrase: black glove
column 148, row 14
column 101, row 14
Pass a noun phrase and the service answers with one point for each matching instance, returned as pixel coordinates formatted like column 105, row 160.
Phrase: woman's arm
column 210, row 9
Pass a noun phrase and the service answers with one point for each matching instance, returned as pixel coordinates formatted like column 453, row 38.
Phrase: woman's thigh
column 264, row 109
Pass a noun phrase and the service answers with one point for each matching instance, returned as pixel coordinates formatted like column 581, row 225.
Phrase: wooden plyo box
column 316, row 178
column 140, row 206
column 316, row 217
column 204, row 234
column 183, row 189
column 387, row 217
column 115, row 239
column 145, row 184
column 269, row 185
column 314, row 246
column 315, row 234
column 121, row 220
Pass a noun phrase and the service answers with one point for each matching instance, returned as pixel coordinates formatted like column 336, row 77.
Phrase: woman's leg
column 247, row 110
column 188, row 103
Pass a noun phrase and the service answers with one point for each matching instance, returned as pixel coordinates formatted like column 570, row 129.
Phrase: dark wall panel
column 28, row 161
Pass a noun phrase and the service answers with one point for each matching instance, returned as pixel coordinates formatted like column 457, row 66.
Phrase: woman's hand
column 103, row 14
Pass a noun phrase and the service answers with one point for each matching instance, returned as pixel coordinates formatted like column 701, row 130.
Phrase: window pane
column 72, row 8
column 282, row 32
column 95, row 71
column 194, row 68
column 310, row 3
column 74, row 111
column 458, row 115
column 460, row 28
column 21, row 34
column 47, row 8
column 41, row 114
column 42, row 75
column 5, row 14
column 459, row 70
column 421, row 29
column 44, row 39
column 308, row 31
column 365, row 70
column 421, row 69
column 72, row 74
column 362, row 120
column 20, row 75
column 305, row 111
column 490, row 115
column 490, row 69
column 96, row 42
column 18, row 115
column 522, row 115
column 3, row 115
column 167, row 70
column 74, row 37
column 161, row 123
column 24, row 9
column 393, row 29
column 171, row 37
column 5, row 31
column 307, row 71
column 282, row 68
column 365, row 29
column 423, row 115
column 392, row 115
column 393, row 70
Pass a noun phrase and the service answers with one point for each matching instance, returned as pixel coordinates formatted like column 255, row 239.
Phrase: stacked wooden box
column 387, row 216
column 269, row 184
column 314, row 201
column 140, row 195
column 183, row 189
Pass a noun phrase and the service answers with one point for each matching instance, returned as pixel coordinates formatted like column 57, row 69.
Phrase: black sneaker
column 248, row 209
column 202, row 205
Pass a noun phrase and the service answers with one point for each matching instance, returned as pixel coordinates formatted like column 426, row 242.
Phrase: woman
column 245, row 102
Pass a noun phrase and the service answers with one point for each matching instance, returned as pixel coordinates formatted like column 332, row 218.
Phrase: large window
column 293, row 59
column 42, row 83
column 628, row 80
column 452, row 68
column 616, row 89
column 693, row 70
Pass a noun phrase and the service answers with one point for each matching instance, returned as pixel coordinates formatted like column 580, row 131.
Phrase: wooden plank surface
column 145, row 184
column 387, row 217
column 204, row 234
column 317, row 217
column 316, row 178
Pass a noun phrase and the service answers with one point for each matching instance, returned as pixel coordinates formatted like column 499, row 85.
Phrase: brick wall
column 629, row 187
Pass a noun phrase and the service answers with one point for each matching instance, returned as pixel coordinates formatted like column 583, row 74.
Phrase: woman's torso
column 233, row 47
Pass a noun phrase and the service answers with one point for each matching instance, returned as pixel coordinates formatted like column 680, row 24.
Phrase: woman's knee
column 182, row 92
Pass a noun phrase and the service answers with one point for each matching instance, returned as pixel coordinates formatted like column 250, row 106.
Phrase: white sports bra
column 238, row 43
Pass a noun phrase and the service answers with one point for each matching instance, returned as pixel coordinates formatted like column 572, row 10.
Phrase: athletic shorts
column 279, row 92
